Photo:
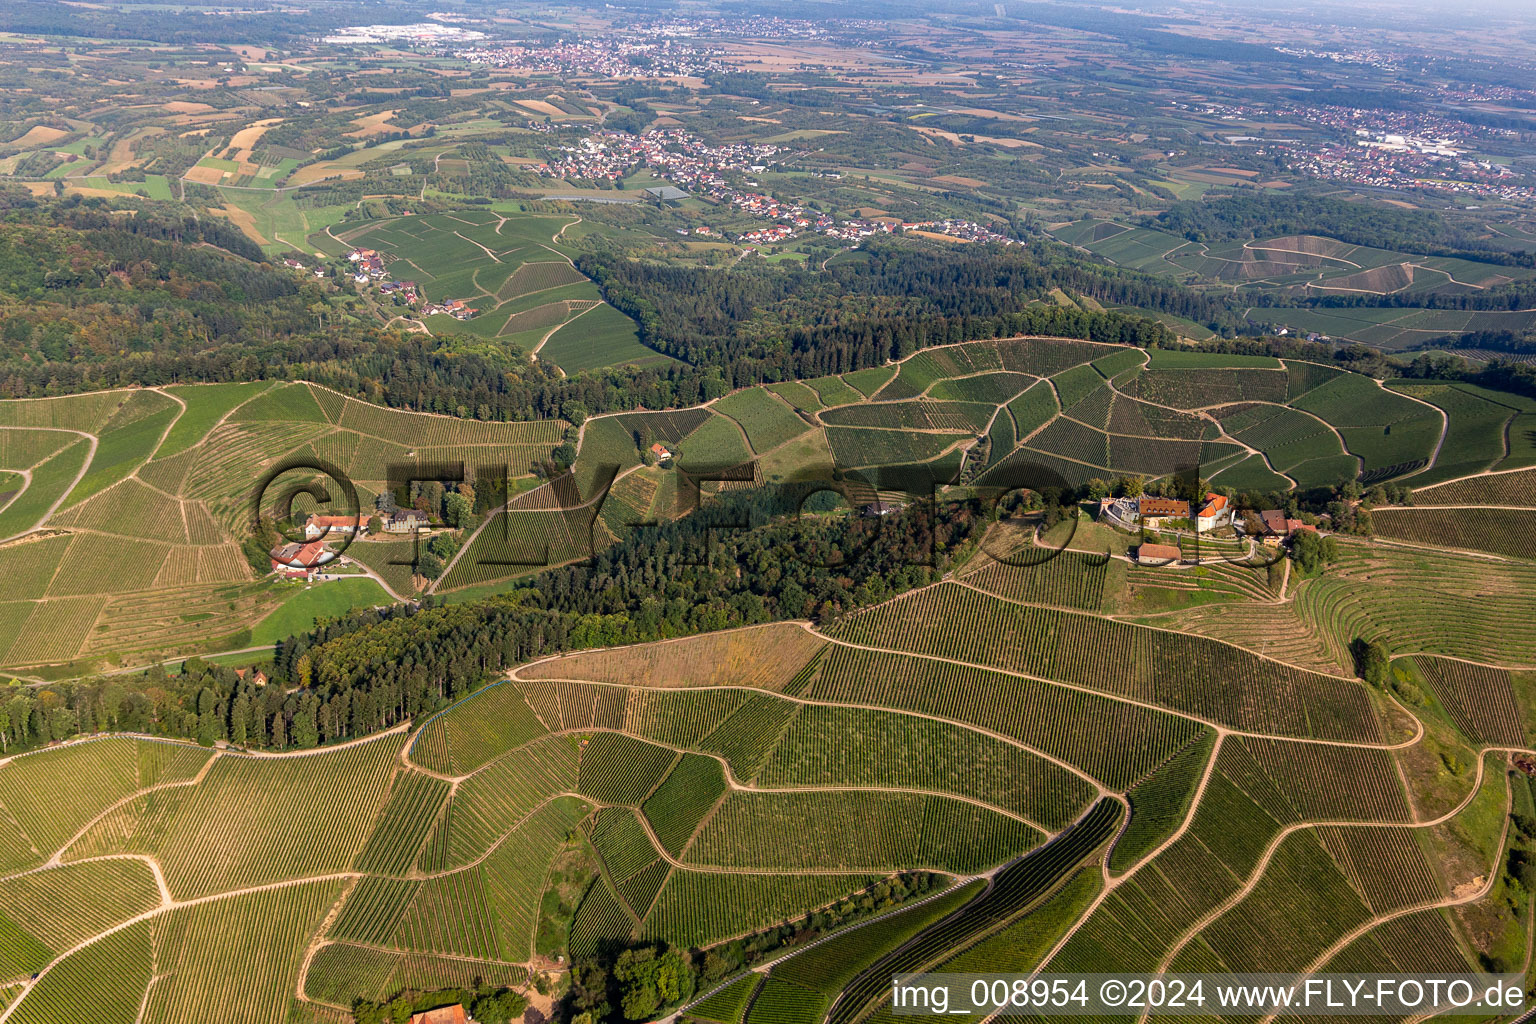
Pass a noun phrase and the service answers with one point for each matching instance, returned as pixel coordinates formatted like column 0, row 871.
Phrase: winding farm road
column 1274, row 845
column 90, row 456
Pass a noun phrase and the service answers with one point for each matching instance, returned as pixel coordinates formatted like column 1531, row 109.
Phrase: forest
column 776, row 322
column 1240, row 218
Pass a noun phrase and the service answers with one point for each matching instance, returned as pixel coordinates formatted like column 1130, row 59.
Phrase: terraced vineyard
column 138, row 501
column 514, row 274
column 1105, row 764
column 157, row 481
column 716, row 782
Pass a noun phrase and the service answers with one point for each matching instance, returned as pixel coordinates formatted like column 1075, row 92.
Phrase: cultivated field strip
column 639, row 890
column 1220, row 683
column 1516, row 489
column 1270, row 630
column 696, row 907
column 1300, row 905
column 728, row 1004
column 829, row 967
column 832, row 746
column 1498, row 531
column 488, row 804
column 1376, row 592
column 619, row 769
column 235, row 959
column 760, row 656
column 1297, row 782
column 1038, row 356
column 105, row 981
column 807, row 831
column 48, row 796
column 601, row 919
column 211, row 838
column 680, row 803
column 621, row 841
column 1235, row 874
column 404, row 823
column 743, row 727
column 1010, row 892
column 1480, row 700
column 373, row 910
column 1421, row 942
column 450, row 914
column 1386, row 866
column 458, row 743
column 341, row 972
column 1039, row 576
column 422, row 429
column 61, row 907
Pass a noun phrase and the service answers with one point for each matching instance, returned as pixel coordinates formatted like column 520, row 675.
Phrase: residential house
column 407, row 520
column 1154, row 512
column 662, row 452
column 1277, row 526
column 1274, row 522
column 455, row 308
column 1217, row 511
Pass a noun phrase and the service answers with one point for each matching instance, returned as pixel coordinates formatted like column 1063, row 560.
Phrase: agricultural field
column 1293, row 267
column 694, row 790
column 1076, row 411
column 165, row 474
column 124, row 540
column 513, row 272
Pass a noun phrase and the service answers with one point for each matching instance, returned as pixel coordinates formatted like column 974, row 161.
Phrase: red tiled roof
column 305, row 556
column 1163, row 507
column 443, row 1015
column 331, row 522
column 1158, row 553
column 1214, row 503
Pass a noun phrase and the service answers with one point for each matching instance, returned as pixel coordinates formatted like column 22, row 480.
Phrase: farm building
column 456, row 308
column 320, row 526
column 300, row 561
column 661, row 451
column 442, row 1015
column 1154, row 512
column 1277, row 525
column 1158, row 553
